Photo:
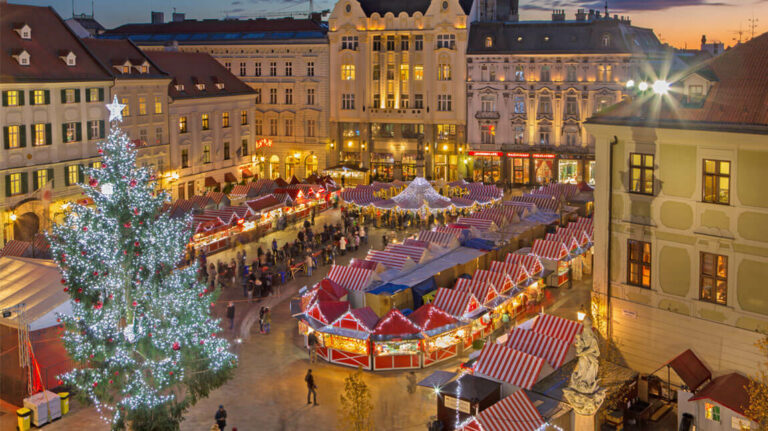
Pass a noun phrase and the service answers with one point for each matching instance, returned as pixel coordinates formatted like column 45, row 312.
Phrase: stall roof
column 534, row 343
column 36, row 283
column 469, row 387
column 557, row 327
column 508, row 365
column 690, row 369
column 437, row 379
column 356, row 279
column 327, row 311
column 420, row 273
column 332, row 287
column 729, row 390
column 388, row 289
column 359, row 320
column 395, row 323
column 429, row 317
column 513, row 413
column 457, row 303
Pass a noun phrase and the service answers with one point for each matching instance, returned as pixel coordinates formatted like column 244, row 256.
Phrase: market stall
column 531, row 263
column 462, row 306
column 446, row 240
column 366, row 264
column 555, row 257
column 481, row 224
column 553, row 350
column 418, row 255
column 396, row 342
column 516, row 407
column 442, row 334
column 388, row 296
column 489, row 297
column 319, row 315
column 324, row 290
column 390, row 259
column 355, row 280
column 347, row 338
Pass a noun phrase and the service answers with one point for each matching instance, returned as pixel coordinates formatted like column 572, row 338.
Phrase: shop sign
column 486, row 153
column 543, row 156
column 630, row 314
column 525, row 155
column 263, row 142
column 460, row 405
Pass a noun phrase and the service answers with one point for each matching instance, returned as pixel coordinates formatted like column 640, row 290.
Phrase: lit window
column 712, row 412
column 488, row 42
column 717, row 182
column 182, row 124
column 14, row 184
column 641, row 173
column 243, row 117
column 639, row 263
column 714, row 278
column 204, row 122
column 39, row 97
column 39, row 137
column 418, row 73
column 206, row 154
column 12, row 136
column 73, row 174
column 443, row 72
column 126, row 109
column 12, row 98
column 142, row 106
column 41, row 178
column 347, row 72
column 225, row 119
column 158, row 105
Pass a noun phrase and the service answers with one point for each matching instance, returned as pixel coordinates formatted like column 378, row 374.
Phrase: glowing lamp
column 445, row 147
column 630, row 83
column 297, row 155
column 581, row 314
column 643, row 86
column 661, row 87
column 13, row 217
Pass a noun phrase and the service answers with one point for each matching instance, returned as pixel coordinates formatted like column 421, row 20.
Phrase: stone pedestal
column 582, row 422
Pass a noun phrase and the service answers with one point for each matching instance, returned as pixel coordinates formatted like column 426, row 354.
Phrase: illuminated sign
column 518, row 155
column 264, row 142
column 543, row 156
column 486, row 153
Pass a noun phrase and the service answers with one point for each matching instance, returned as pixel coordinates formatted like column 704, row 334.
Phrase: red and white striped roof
column 264, row 204
column 557, row 327
column 531, row 263
column 508, row 365
column 500, row 280
column 359, row 319
column 482, row 290
column 364, row 264
column 513, row 413
column 443, row 239
column 417, row 254
column 550, row 349
column 542, row 203
column 456, row 232
column 457, row 304
column 389, row 259
column 584, row 223
column 580, row 234
column 416, row 243
column 354, row 279
column 566, row 238
column 515, row 271
column 494, row 215
column 478, row 223
column 552, row 250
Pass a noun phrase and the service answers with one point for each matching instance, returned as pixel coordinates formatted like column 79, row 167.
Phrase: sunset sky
column 677, row 22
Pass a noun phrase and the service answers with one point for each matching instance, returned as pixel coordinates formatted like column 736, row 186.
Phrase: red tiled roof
column 739, row 95
column 219, row 26
column 729, row 390
column 190, row 68
column 115, row 52
column 50, row 36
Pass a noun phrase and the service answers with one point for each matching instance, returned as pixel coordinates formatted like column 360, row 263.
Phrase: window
column 606, row 40
column 288, row 68
column 226, row 150
column 488, row 42
column 641, row 173
column 258, row 95
column 519, row 134
column 95, row 129
column 13, row 138
column 14, row 184
column 242, row 68
column 418, row 42
column 310, row 128
column 158, row 135
column 310, row 96
column 347, row 101
column 603, row 102
column 639, row 263
column 184, row 158
column 41, row 178
column 288, row 127
column 257, row 126
column 143, row 136
column 289, row 96
column 446, row 41
column 71, row 132
column 243, row 117
column 70, row 95
column 273, row 96
column 225, row 119
column 257, row 69
column 376, row 100
column 244, row 147
column 377, row 43
column 347, row 72
column 204, row 122
column 94, row 94
column 41, row 134
column 158, row 105
column 273, row 68
column 404, row 43
column 443, row 72
column 126, row 110
column 444, row 102
column 488, row 104
column 571, row 138
column 545, row 105
column 604, row 73
column 73, row 175
column 519, row 73
column 488, row 134
column 418, row 101
column 390, row 100
column 712, row 412
column 418, row 72
column 695, row 94
column 182, row 124
column 717, row 182
column 273, row 127
column 311, row 68
column 390, row 43
column 519, row 104
column 349, row 42
column 12, row 98
column 390, row 72
column 142, row 106
column 714, row 278
column 445, row 131
column 403, row 99
column 228, row 65
column 206, row 154
column 571, row 105
column 544, row 134
column 41, row 97
column 544, row 75
column 570, row 74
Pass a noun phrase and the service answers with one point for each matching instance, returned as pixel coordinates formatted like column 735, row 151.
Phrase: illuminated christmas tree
column 141, row 334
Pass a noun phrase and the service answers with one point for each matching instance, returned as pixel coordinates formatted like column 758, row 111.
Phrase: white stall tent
column 37, row 284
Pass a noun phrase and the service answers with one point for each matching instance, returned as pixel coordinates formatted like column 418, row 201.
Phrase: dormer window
column 606, row 40
column 22, row 57
column 488, row 42
column 25, row 32
column 143, row 68
column 200, row 86
column 69, row 58
column 124, row 68
column 179, row 87
column 220, row 85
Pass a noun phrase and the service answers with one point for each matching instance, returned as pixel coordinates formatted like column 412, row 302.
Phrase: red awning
column 211, row 182
column 246, row 173
column 395, row 323
column 229, row 177
column 693, row 372
column 729, row 390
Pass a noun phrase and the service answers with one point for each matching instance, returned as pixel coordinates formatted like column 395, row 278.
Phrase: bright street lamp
column 661, row 87
column 630, row 83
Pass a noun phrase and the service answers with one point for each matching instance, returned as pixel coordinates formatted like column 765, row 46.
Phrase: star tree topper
column 115, row 110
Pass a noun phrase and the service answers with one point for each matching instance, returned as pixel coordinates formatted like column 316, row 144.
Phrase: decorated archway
column 310, row 165
column 274, row 167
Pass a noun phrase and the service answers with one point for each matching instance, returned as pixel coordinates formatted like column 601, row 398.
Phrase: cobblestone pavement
column 268, row 390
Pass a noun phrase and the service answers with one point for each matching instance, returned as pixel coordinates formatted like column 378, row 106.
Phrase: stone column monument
column 582, row 392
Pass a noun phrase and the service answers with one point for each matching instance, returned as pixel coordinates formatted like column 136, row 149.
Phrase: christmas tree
column 141, row 332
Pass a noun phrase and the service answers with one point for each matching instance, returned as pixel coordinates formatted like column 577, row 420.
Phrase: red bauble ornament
column 85, row 228
column 202, row 342
column 61, row 382
column 117, row 373
column 93, row 182
column 200, row 295
column 134, row 303
column 149, row 334
column 213, row 335
column 137, row 253
column 101, row 151
column 95, row 384
column 212, row 304
column 136, row 244
column 58, row 320
column 63, row 281
column 133, row 183
column 110, row 296
column 66, row 289
column 127, row 224
column 111, row 340
column 110, row 381
column 170, row 373
column 77, row 300
column 98, row 305
column 95, row 272
column 176, row 345
column 83, row 253
column 91, row 356
column 79, row 290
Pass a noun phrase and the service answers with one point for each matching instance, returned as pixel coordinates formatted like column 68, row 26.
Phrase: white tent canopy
column 419, row 194
column 36, row 283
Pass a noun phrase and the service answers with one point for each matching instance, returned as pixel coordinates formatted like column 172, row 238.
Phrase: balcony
column 570, row 149
column 394, row 113
column 487, row 115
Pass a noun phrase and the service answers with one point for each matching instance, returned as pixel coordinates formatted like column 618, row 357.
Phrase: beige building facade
column 397, row 101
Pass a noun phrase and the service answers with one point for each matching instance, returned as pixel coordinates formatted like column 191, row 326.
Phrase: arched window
column 606, row 40
column 310, row 165
column 274, row 167
column 291, row 163
column 488, row 42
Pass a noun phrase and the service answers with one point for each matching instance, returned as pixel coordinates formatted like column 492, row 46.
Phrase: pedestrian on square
column 221, row 417
column 312, row 343
column 274, row 245
column 231, row 314
column 362, row 234
column 311, row 387
column 384, row 241
column 267, row 320
column 308, row 263
column 343, row 245
column 261, row 320
column 357, row 241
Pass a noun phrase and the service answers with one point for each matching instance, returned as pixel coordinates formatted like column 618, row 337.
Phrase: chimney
column 703, row 41
column 581, row 15
column 178, row 17
column 558, row 15
column 591, row 14
column 316, row 17
column 157, row 17
column 597, row 14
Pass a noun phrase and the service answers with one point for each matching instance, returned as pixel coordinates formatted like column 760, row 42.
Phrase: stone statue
column 582, row 392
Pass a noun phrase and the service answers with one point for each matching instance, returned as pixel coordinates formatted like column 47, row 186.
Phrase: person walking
column 308, row 263
column 221, row 417
column 267, row 320
column 231, row 314
column 311, row 387
column 384, row 241
column 274, row 245
column 343, row 245
column 362, row 234
column 312, row 343
column 261, row 320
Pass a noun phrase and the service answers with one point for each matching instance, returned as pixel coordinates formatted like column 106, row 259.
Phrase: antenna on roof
column 73, row 8
column 92, row 14
column 606, row 8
